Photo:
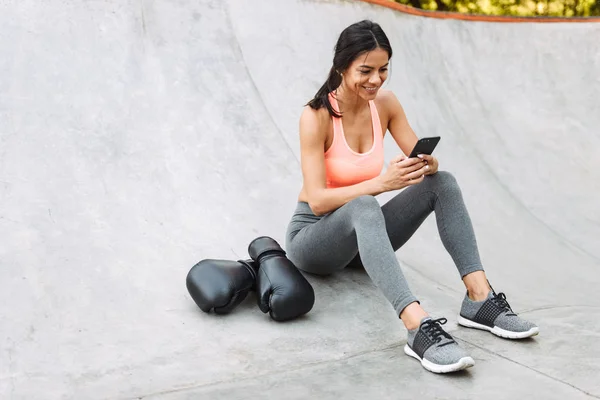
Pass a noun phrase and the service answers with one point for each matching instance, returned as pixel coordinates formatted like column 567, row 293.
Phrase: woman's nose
column 375, row 80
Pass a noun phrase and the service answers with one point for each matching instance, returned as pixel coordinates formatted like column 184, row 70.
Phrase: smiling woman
column 339, row 222
column 368, row 40
column 367, row 72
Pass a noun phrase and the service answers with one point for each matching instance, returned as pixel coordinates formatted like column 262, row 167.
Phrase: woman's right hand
column 402, row 172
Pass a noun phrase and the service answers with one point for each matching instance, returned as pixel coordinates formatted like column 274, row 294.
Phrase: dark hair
column 356, row 39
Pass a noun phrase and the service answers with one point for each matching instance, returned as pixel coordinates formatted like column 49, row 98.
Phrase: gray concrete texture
column 138, row 137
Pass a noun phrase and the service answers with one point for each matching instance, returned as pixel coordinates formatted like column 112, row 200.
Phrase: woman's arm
column 401, row 131
column 398, row 124
column 321, row 199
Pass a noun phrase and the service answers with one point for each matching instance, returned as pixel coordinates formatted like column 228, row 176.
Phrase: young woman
column 338, row 221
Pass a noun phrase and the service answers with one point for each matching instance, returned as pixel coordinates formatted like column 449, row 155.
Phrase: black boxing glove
column 220, row 284
column 282, row 290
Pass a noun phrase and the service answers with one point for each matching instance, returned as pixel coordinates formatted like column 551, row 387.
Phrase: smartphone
column 425, row 146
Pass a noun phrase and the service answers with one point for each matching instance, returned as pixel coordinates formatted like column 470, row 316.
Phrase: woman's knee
column 443, row 179
column 365, row 206
column 365, row 202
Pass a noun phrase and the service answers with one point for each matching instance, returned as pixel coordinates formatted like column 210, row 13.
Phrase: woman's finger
column 415, row 181
column 418, row 173
column 414, row 167
column 398, row 158
column 425, row 157
column 408, row 162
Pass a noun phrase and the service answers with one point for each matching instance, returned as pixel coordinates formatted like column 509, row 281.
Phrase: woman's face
column 366, row 74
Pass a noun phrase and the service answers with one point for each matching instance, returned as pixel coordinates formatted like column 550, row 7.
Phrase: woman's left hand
column 431, row 161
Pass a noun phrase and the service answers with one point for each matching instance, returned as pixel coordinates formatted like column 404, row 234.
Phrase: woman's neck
column 351, row 102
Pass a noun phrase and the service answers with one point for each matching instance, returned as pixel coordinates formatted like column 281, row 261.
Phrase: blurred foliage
column 521, row 8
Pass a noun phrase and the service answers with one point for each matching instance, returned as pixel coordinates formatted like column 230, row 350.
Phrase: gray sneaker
column 495, row 315
column 435, row 348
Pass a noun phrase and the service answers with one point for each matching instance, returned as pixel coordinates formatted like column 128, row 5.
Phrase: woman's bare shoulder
column 387, row 100
column 314, row 122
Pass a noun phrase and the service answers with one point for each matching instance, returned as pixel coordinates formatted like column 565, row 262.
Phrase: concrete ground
column 140, row 136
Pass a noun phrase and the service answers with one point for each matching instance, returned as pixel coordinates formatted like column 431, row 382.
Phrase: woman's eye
column 368, row 72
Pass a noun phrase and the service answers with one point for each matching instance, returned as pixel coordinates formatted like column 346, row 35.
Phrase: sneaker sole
column 463, row 363
column 498, row 331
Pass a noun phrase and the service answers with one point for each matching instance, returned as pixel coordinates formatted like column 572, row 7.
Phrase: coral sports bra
column 344, row 166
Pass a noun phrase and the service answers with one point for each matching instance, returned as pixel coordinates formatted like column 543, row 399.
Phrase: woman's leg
column 482, row 308
column 330, row 243
column 405, row 213
column 441, row 194
column 356, row 231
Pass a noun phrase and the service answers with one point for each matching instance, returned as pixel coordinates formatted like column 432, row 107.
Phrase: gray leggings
column 362, row 231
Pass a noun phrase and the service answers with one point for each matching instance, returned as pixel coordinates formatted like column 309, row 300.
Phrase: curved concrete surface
column 138, row 137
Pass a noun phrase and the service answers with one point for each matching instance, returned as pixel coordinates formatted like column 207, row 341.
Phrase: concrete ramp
column 138, row 137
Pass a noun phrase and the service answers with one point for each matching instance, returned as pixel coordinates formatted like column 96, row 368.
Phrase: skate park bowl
column 138, row 137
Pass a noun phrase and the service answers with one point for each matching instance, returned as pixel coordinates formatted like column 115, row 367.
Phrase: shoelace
column 433, row 328
column 500, row 300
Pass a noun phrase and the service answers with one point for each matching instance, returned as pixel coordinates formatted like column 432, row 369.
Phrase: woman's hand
column 431, row 161
column 402, row 172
